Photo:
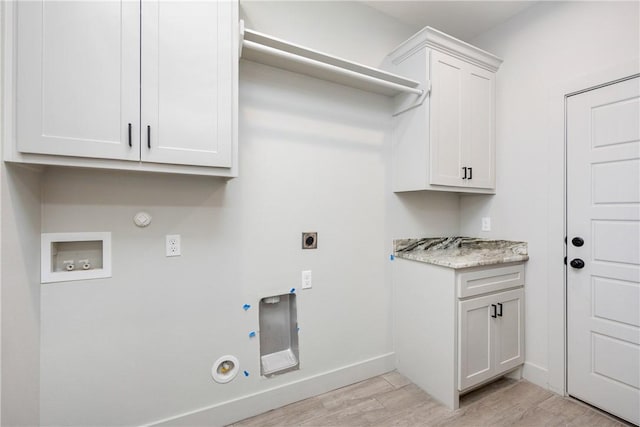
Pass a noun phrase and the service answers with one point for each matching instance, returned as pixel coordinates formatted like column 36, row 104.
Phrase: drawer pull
column 500, row 307
column 465, row 172
column 493, row 311
column 129, row 132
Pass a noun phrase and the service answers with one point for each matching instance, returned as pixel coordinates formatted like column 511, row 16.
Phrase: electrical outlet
column 172, row 246
column 306, row 279
column 486, row 223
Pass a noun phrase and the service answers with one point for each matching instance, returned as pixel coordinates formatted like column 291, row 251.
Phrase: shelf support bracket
column 421, row 98
column 241, row 38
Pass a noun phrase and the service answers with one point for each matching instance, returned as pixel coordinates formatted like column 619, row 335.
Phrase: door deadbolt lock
column 577, row 241
column 577, row 263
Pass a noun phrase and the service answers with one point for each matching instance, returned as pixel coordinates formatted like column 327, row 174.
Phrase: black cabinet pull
column 129, row 131
column 493, row 310
column 149, row 137
column 500, row 307
column 470, row 173
column 465, row 173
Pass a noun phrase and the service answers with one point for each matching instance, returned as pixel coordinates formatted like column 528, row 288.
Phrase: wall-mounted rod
column 287, row 56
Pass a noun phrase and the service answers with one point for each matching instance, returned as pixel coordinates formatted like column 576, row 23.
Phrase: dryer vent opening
column 278, row 335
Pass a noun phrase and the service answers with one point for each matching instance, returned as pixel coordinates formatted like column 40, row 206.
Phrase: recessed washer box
column 279, row 351
column 75, row 256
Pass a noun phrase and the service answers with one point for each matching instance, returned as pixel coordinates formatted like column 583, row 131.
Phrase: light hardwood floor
column 392, row 400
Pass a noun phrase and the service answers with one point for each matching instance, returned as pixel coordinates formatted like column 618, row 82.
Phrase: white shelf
column 278, row 53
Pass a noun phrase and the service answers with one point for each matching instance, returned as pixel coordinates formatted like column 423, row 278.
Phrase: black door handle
column 493, row 309
column 500, row 307
column 465, row 173
column 577, row 241
column 470, row 173
column 149, row 137
column 129, row 131
column 577, row 263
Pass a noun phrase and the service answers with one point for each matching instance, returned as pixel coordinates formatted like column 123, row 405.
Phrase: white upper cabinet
column 186, row 75
column 133, row 85
column 78, row 78
column 447, row 142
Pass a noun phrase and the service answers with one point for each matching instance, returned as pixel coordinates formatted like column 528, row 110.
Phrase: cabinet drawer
column 490, row 280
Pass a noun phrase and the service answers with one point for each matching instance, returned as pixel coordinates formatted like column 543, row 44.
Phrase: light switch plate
column 306, row 279
column 486, row 223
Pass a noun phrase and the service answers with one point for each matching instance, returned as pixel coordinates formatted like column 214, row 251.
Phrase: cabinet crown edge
column 435, row 39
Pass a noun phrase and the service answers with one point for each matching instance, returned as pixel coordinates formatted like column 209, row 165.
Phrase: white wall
column 346, row 29
column 1, row 192
column 19, row 285
column 20, row 229
column 545, row 48
column 314, row 156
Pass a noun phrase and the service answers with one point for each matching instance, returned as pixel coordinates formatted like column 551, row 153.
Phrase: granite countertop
column 460, row 252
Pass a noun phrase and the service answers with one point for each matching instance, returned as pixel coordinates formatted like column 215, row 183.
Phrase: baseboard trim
column 536, row 374
column 234, row 410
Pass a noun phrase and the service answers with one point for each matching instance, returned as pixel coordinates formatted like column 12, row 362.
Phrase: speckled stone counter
column 460, row 252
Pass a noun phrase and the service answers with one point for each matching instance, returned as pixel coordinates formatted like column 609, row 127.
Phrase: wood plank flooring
column 392, row 400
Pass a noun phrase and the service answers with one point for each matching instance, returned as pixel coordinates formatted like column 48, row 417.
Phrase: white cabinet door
column 448, row 110
column 187, row 82
column 509, row 348
column 490, row 336
column 462, row 145
column 479, row 149
column 78, row 78
column 475, row 340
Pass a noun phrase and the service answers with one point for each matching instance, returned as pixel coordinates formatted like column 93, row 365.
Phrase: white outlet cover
column 172, row 245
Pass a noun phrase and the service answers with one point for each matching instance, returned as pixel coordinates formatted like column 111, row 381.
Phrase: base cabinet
column 457, row 329
column 490, row 332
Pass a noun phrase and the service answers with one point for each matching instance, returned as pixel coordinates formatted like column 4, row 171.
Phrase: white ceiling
column 462, row 19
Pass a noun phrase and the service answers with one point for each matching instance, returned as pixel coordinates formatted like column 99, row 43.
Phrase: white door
column 603, row 209
column 187, row 82
column 447, row 119
column 78, row 78
column 509, row 342
column 476, row 328
column 462, row 123
column 479, row 151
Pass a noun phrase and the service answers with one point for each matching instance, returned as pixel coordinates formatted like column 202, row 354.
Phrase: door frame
column 556, row 375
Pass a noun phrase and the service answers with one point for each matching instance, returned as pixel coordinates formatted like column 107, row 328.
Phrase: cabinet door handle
column 470, row 173
column 149, row 137
column 465, row 172
column 500, row 312
column 129, row 132
column 493, row 311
